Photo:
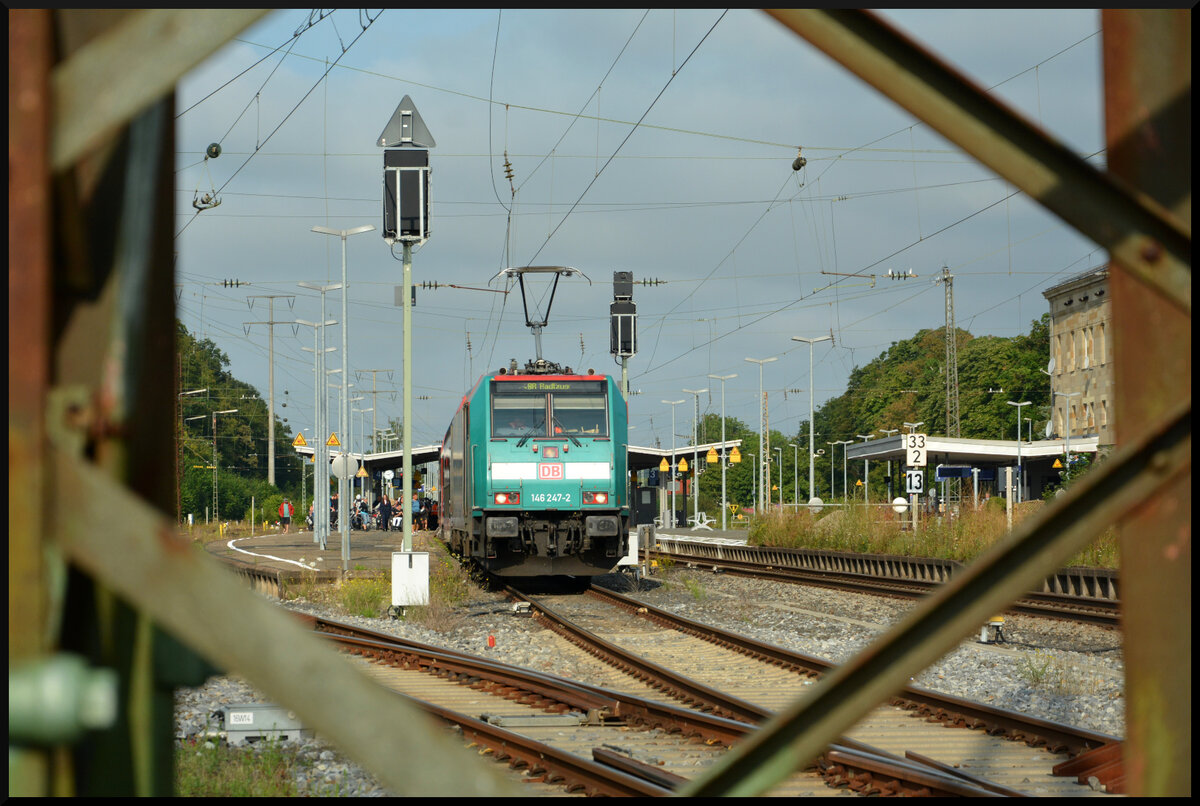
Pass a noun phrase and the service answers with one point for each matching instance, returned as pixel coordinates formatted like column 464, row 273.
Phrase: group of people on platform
column 385, row 514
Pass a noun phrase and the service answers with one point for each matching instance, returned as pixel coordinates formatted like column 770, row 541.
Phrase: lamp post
column 832, row 489
column 795, row 475
column 674, row 466
column 722, row 379
column 811, row 449
column 764, row 454
column 866, row 471
column 344, row 408
column 1067, row 418
column 1020, row 471
column 887, row 432
column 845, row 482
column 780, row 451
column 1030, row 421
column 753, row 476
column 695, row 457
column 320, row 404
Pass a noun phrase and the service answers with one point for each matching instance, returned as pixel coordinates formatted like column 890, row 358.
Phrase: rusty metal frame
column 1151, row 244
column 130, row 548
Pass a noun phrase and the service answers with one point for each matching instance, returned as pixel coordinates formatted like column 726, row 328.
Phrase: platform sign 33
column 914, row 447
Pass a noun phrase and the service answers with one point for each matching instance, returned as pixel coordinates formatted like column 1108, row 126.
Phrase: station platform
column 276, row 559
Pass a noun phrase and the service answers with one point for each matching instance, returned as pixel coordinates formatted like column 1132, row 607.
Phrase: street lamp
column 780, row 452
column 795, row 474
column 845, row 483
column 674, row 467
column 344, row 408
column 887, row 432
column 832, row 489
column 866, row 470
column 912, row 427
column 764, row 455
column 321, row 401
column 722, row 379
column 1067, row 428
column 1020, row 472
column 811, row 450
column 695, row 457
column 753, row 475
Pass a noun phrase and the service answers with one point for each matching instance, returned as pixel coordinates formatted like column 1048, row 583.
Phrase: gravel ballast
column 1056, row 670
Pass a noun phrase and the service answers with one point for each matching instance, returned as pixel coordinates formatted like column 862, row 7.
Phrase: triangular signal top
column 406, row 128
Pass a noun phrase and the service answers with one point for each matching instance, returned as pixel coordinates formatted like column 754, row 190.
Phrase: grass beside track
column 878, row 530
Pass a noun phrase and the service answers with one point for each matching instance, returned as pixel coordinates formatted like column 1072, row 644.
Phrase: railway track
column 761, row 678
column 1082, row 595
column 634, row 728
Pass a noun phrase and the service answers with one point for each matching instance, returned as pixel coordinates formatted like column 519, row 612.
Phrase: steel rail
column 945, row 708
column 633, row 710
column 1089, row 609
column 848, row 762
column 557, row 766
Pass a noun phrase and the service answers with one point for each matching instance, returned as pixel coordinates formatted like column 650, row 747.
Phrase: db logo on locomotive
column 550, row 472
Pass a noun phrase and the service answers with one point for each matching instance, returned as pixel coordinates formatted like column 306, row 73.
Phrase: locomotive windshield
column 579, row 415
column 518, row 416
column 549, row 409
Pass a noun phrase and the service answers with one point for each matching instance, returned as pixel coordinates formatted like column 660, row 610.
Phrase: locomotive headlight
column 507, row 498
column 595, row 498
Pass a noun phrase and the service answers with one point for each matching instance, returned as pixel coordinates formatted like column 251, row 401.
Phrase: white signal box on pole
column 914, row 447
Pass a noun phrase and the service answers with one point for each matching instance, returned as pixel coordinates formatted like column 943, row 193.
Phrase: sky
column 656, row 142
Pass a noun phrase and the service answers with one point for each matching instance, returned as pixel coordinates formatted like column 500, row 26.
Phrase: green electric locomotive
column 534, row 474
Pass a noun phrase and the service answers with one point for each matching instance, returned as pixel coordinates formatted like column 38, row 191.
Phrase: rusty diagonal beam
column 1139, row 233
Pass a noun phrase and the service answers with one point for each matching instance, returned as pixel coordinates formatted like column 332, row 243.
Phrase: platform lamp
column 887, row 432
column 724, row 506
column 763, row 497
column 866, row 470
column 695, row 457
column 673, row 404
column 795, row 474
column 1020, row 471
column 811, row 447
column 780, row 452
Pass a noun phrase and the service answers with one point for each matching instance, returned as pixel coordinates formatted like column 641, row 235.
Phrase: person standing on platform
column 286, row 510
column 385, row 512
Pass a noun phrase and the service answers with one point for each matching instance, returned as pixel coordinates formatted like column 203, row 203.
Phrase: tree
column 240, row 438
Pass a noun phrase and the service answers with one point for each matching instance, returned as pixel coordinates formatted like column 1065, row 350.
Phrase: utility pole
column 270, row 323
column 953, row 424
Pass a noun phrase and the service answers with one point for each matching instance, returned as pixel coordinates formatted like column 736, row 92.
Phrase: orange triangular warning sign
column 299, row 442
column 1057, row 464
column 332, row 442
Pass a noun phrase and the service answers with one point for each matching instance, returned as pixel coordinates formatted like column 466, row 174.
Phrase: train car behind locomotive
column 534, row 474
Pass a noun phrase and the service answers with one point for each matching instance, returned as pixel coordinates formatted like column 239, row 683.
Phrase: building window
column 1102, row 356
column 1071, row 351
column 1104, row 413
column 1090, row 412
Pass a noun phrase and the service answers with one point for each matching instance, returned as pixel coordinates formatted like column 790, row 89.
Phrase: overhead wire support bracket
column 559, row 272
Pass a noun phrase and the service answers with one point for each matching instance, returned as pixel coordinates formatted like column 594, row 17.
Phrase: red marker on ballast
column 491, row 642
